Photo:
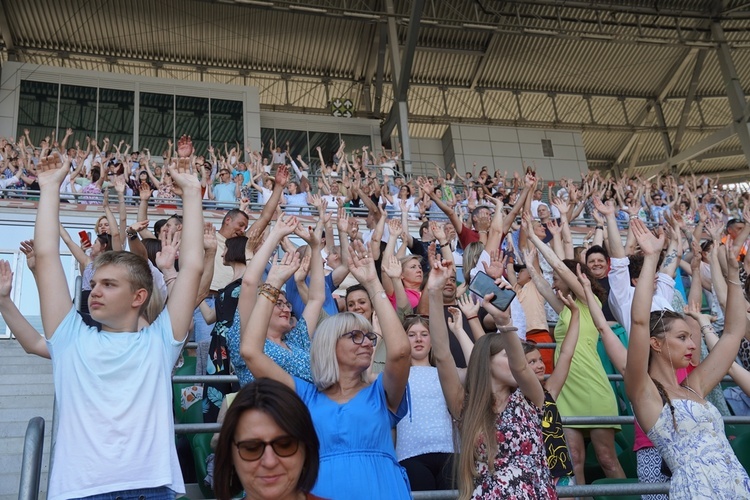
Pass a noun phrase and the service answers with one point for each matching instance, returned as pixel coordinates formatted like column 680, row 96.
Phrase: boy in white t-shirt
column 113, row 388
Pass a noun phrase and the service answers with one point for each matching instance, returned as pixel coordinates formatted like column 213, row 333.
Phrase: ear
column 634, row 282
column 139, row 298
column 656, row 344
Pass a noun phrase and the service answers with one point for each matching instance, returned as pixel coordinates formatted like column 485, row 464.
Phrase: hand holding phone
column 483, row 284
column 85, row 239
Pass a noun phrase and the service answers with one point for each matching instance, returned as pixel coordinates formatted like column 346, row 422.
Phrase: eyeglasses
column 281, row 304
column 253, row 449
column 423, row 316
column 358, row 337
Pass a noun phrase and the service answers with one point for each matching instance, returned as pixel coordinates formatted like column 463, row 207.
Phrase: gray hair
column 323, row 361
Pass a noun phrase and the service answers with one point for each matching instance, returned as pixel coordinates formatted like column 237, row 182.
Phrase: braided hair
column 659, row 323
column 665, row 399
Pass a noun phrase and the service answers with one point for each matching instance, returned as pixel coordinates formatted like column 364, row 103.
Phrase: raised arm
column 453, row 390
column 711, row 370
column 316, row 290
column 426, row 186
column 183, row 296
column 615, row 349
column 253, row 337
column 556, row 380
column 54, row 296
column 397, row 347
column 640, row 389
column 282, row 177
column 19, row 326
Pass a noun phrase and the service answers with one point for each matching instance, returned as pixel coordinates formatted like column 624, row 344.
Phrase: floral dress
column 698, row 453
column 521, row 470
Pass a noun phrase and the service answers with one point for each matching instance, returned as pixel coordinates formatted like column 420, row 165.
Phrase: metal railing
column 31, row 463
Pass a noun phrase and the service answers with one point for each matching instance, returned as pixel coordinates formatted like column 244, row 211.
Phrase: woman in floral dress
column 499, row 416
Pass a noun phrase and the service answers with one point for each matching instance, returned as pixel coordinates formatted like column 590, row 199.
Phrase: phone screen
column 482, row 284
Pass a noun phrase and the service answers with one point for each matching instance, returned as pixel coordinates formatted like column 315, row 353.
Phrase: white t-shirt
column 114, row 409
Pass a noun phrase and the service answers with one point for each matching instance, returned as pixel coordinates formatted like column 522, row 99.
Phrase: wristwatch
column 131, row 234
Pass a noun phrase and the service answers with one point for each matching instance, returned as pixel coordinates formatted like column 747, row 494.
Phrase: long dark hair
column 288, row 411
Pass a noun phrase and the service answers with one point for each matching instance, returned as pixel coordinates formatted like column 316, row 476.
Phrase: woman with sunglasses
column 353, row 417
column 267, row 446
column 424, row 438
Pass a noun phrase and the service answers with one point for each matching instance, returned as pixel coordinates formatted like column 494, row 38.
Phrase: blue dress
column 698, row 453
column 357, row 458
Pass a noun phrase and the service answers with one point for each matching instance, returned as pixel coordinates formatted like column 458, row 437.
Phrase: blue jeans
column 161, row 493
column 201, row 330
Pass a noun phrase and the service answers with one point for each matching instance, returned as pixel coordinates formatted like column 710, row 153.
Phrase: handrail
column 31, row 463
column 583, row 490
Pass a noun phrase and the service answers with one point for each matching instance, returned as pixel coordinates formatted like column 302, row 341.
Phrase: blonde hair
column 323, row 362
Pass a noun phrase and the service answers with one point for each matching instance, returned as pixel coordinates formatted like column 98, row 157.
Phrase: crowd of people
column 371, row 361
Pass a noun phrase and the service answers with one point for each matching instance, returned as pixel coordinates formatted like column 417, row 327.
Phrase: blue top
column 295, row 360
column 298, row 305
column 357, row 458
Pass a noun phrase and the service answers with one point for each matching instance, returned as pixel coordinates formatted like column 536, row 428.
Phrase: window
column 227, row 124
column 156, row 122
column 329, row 143
column 116, row 116
column 77, row 112
column 191, row 118
column 37, row 110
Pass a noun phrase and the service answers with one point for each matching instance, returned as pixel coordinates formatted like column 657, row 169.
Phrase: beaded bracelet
column 270, row 292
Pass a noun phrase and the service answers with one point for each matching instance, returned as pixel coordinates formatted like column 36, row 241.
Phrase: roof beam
column 667, row 84
column 735, row 94
column 693, row 151
column 663, row 129
column 692, row 89
column 5, row 30
column 380, row 70
column 401, row 74
column 479, row 69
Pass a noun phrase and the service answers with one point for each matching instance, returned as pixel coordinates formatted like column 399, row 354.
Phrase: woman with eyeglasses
column 287, row 344
column 267, row 446
column 353, row 416
column 424, row 437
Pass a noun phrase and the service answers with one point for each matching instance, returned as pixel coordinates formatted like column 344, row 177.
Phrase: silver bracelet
column 734, row 282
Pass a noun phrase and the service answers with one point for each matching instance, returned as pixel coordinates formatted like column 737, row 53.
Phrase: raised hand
column 27, row 247
column 395, row 227
column 182, row 178
column 649, row 243
column 468, row 305
column 361, row 265
column 285, row 226
column 568, row 300
column 554, row 228
column 304, row 268
column 342, row 221
column 392, row 267
column 209, row 237
column 496, row 268
column 184, row 146
column 439, row 273
column 6, row 279
column 282, row 176
column 438, row 231
column 693, row 309
column 144, row 191
column 284, row 269
column 715, row 228
column 605, row 209
column 455, row 320
column 120, row 184
column 170, row 247
column 52, row 171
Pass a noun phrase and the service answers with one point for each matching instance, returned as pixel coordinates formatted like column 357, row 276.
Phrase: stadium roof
column 643, row 79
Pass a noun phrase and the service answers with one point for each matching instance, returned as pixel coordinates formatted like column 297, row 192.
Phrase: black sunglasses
column 251, row 450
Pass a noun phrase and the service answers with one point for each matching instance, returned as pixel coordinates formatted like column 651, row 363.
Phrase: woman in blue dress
column 687, row 430
column 352, row 416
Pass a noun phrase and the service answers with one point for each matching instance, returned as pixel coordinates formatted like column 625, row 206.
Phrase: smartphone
column 482, row 284
column 85, row 238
